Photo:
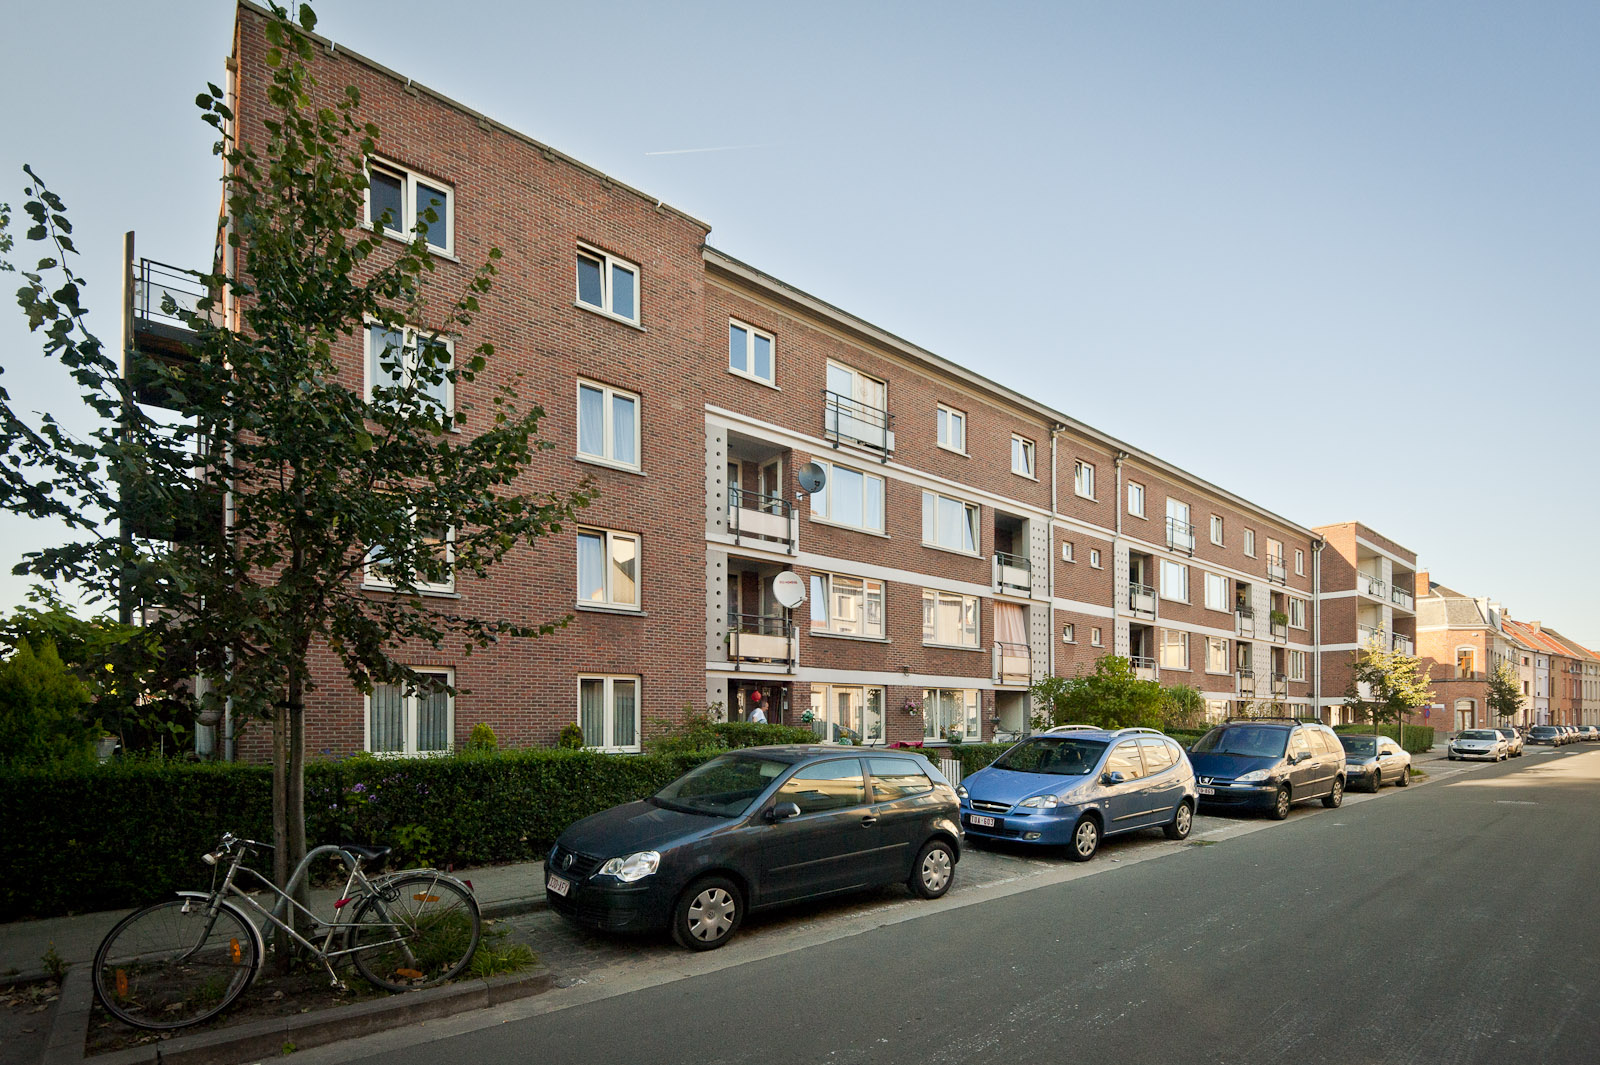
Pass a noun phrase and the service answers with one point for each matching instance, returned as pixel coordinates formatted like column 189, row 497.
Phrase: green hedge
column 1418, row 738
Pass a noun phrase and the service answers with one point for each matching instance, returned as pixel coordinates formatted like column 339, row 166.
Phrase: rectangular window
column 1083, row 479
column 1250, row 542
column 412, row 722
column 1216, row 529
column 1180, row 534
column 750, row 351
column 608, row 284
column 949, row 523
column 1136, row 499
column 1174, row 581
column 1174, row 649
column 1217, row 593
column 1094, row 558
column 608, row 568
column 608, row 713
column 1216, row 654
column 952, row 429
column 1066, row 551
column 1094, row 636
column 1274, row 551
column 1022, row 456
column 846, row 606
column 400, row 203
column 949, row 618
column 1299, row 562
column 847, row 713
column 401, row 359
column 1069, row 634
column 435, row 569
column 608, row 425
column 856, row 408
column 1297, row 612
column 1297, row 665
column 849, row 497
column 950, row 711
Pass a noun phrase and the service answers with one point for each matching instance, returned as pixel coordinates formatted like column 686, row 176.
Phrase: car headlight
column 1041, row 802
column 633, row 867
column 1252, row 777
column 961, row 791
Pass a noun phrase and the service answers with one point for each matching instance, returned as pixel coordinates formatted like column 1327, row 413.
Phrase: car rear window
column 1251, row 741
column 1157, row 755
column 1359, row 744
column 897, row 778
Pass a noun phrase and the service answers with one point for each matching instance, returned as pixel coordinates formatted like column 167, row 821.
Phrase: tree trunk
column 281, row 865
column 295, row 791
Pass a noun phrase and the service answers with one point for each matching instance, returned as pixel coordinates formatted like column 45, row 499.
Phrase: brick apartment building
column 1366, row 600
column 966, row 540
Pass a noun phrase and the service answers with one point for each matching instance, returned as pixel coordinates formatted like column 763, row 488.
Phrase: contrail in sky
column 692, row 151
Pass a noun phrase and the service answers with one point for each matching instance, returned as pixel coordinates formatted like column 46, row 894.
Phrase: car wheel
column 1085, row 839
column 1405, row 777
column 1377, row 780
column 1280, row 804
column 935, row 869
column 1336, row 796
column 1181, row 824
column 707, row 914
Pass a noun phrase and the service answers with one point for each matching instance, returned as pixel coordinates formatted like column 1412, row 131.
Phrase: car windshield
column 1543, row 730
column 1359, row 744
column 723, row 787
column 1061, row 756
column 1478, row 734
column 1246, row 740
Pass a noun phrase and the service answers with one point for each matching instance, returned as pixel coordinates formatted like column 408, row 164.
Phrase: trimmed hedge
column 1417, row 739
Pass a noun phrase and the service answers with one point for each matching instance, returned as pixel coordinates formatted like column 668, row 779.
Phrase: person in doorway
column 758, row 709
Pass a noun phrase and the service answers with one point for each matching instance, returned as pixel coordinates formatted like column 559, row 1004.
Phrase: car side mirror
column 782, row 812
column 1301, row 756
column 1114, row 776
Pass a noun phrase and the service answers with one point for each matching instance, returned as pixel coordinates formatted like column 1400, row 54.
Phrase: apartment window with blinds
column 849, row 497
column 608, row 425
column 950, row 619
column 608, row 712
column 415, row 722
column 949, row 523
column 1174, row 649
column 1216, row 654
column 846, row 606
column 608, row 568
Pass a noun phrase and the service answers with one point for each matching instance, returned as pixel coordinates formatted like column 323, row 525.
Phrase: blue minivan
column 1269, row 764
column 1077, row 787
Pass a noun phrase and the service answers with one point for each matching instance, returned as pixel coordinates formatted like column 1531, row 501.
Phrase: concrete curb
column 266, row 1038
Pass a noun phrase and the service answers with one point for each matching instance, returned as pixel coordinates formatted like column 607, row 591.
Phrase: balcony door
column 771, row 486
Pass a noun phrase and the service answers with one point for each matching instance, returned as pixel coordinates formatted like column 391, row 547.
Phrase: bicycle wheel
column 419, row 930
column 171, row 964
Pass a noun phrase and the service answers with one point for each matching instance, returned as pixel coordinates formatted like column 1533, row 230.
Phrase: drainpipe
column 1316, row 625
column 1055, row 431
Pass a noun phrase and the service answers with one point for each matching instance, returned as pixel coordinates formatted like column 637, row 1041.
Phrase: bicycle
column 183, row 961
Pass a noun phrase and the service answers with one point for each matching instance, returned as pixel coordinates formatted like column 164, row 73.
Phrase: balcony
column 1247, row 683
column 762, row 638
column 1277, row 572
column 1013, row 574
column 1371, row 584
column 1143, row 668
column 1245, row 618
column 1402, row 598
column 1404, row 645
column 768, row 519
column 163, row 301
column 1280, row 629
column 1368, row 636
column 847, row 421
column 1180, row 536
column 1280, row 685
column 1141, row 600
column 1013, row 664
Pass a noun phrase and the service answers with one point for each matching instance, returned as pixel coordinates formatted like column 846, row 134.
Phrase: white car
column 1483, row 743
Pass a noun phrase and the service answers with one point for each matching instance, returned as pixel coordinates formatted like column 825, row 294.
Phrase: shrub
column 483, row 738
column 43, row 709
column 571, row 737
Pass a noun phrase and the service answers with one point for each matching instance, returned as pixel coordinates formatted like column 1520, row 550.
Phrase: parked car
column 756, row 828
column 1590, row 732
column 1569, row 732
column 1546, row 735
column 1483, row 743
column 1078, row 787
column 1513, row 740
column 1269, row 765
column 1374, row 761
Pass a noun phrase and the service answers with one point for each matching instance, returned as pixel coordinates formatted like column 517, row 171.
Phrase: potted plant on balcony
column 1279, row 619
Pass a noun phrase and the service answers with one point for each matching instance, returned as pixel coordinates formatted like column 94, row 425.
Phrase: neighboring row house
column 955, row 540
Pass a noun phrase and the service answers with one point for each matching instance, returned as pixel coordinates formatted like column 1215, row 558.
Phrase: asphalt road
column 1451, row 922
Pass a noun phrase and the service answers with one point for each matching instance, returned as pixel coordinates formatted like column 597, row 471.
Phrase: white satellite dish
column 811, row 478
column 788, row 589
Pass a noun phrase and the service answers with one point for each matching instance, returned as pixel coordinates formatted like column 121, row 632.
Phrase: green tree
column 324, row 477
column 44, row 709
column 1394, row 684
column 1112, row 696
column 1504, row 696
column 1182, row 706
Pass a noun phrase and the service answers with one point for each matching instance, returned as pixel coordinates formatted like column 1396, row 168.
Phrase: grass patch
column 495, row 957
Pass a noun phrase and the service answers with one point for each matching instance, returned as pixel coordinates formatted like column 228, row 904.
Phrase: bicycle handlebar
column 225, row 847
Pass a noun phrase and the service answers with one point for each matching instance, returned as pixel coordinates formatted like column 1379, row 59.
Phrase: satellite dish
column 811, row 478
column 788, row 589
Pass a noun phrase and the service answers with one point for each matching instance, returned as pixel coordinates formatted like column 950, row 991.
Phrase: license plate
column 558, row 885
column 1208, row 791
column 980, row 821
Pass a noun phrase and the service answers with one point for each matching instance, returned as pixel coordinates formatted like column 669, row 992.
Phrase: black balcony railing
column 1019, row 581
column 1142, row 662
column 1141, row 599
column 765, row 637
column 1180, row 535
column 1013, row 663
column 1277, row 572
column 166, row 293
column 1247, row 682
column 849, row 421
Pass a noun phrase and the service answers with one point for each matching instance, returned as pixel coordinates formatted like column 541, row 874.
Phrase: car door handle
column 869, row 820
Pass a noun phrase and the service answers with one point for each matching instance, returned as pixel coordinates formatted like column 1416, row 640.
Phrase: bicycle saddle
column 366, row 854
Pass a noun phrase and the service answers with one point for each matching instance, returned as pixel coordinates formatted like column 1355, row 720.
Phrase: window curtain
column 388, row 725
column 624, row 713
column 591, row 712
column 1010, row 624
column 433, row 721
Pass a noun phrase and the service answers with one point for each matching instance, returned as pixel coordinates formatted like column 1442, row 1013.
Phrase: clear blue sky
column 1339, row 258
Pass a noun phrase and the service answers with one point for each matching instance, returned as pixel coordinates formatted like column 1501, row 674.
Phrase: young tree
column 44, row 709
column 1182, row 706
column 1112, row 696
column 1504, row 697
column 1396, row 684
column 325, row 479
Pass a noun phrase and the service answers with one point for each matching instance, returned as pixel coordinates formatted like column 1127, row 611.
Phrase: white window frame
column 1096, row 636
column 1250, row 543
column 1083, row 478
column 1162, row 644
column 930, row 522
column 967, row 606
column 1299, row 562
column 409, row 180
column 1297, row 665
column 872, row 590
column 1212, row 644
column 1279, row 557
column 372, row 572
column 1026, row 453
column 971, row 713
column 608, row 262
column 1218, row 581
column 609, row 599
column 609, row 712
column 1066, row 551
column 825, row 512
column 1069, row 633
column 1297, row 608
column 1216, row 529
column 1094, row 558
column 608, row 437
column 1170, row 566
column 951, row 428
column 411, row 710
column 750, row 334
column 822, row 695
column 1136, row 499
column 410, row 345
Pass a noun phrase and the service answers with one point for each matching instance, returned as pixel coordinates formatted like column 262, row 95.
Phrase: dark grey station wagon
column 756, row 828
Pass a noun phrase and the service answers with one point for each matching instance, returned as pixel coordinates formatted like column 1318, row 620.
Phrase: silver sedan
column 1484, row 743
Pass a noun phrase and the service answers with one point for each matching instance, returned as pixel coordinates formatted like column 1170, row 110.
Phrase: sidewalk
column 502, row 890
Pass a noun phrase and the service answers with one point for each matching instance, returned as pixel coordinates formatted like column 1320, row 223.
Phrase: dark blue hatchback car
column 1269, row 764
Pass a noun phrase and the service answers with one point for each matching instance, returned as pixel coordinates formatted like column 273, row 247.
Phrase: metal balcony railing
column 1180, row 536
column 848, row 421
column 1013, row 574
column 762, row 516
column 1013, row 663
column 1402, row 598
column 1280, row 684
column 1277, row 572
column 762, row 638
column 1244, row 619
column 1280, row 629
column 1141, row 599
column 1373, row 586
column 166, row 293
column 1143, row 666
column 1404, row 645
column 1247, row 682
column 1367, row 635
